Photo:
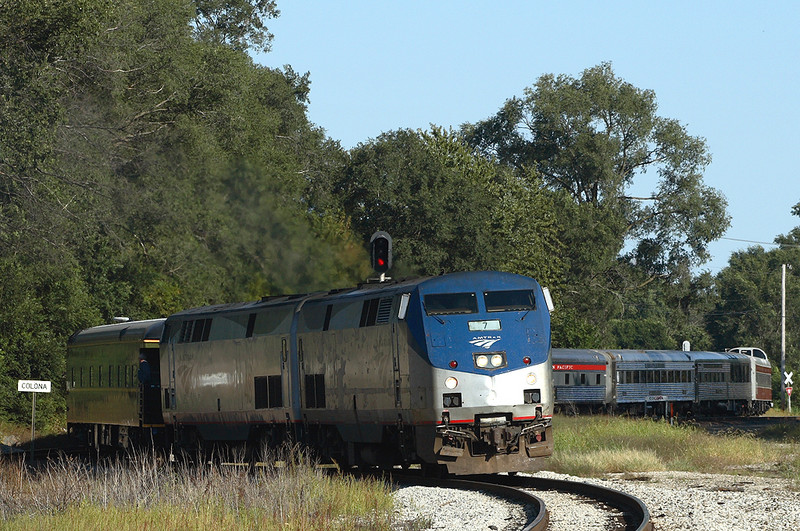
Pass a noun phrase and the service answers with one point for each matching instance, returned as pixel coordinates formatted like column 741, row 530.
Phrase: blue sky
column 729, row 71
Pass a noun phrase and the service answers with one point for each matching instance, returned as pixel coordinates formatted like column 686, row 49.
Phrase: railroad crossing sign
column 788, row 380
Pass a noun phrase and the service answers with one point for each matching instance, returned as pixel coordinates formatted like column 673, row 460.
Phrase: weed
column 594, row 445
column 145, row 492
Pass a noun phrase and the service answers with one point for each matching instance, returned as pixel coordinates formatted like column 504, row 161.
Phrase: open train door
column 150, row 414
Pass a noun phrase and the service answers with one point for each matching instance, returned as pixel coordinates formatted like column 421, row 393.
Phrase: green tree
column 749, row 307
column 184, row 136
column 147, row 166
column 446, row 208
column 42, row 295
column 748, row 312
column 433, row 211
column 236, row 23
column 590, row 138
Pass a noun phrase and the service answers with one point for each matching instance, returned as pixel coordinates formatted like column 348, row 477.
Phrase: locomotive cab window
column 450, row 303
column 510, row 301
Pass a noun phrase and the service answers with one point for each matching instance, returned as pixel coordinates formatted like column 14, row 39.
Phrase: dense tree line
column 147, row 165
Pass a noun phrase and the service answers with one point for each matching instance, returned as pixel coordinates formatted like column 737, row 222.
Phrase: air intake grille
column 384, row 310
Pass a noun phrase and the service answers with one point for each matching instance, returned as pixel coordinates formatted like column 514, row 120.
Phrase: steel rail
column 538, row 518
column 634, row 511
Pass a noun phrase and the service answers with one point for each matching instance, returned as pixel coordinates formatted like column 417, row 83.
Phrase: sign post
column 33, row 386
column 787, row 385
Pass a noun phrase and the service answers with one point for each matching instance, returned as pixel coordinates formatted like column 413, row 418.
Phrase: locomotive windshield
column 507, row 301
column 450, row 303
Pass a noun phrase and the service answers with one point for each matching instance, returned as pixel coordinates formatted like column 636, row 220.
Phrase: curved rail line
column 634, row 511
column 538, row 519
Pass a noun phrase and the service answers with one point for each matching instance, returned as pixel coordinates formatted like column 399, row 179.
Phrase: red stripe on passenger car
column 570, row 367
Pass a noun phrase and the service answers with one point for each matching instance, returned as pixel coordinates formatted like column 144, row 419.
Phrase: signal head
column 381, row 251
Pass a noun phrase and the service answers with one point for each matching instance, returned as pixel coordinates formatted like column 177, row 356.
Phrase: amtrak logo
column 485, row 341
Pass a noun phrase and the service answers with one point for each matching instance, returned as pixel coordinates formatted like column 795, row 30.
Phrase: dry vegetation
column 145, row 493
column 594, row 445
column 148, row 493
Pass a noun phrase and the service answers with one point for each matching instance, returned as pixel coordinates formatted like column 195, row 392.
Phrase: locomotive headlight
column 451, row 383
column 481, row 361
column 531, row 378
column 497, row 360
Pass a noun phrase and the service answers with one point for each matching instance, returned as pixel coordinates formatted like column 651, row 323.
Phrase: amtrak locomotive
column 451, row 371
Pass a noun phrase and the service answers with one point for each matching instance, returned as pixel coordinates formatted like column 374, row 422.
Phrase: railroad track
column 618, row 510
column 745, row 424
column 46, row 448
column 622, row 510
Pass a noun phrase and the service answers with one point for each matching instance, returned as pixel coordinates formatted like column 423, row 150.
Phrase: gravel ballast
column 456, row 509
column 676, row 501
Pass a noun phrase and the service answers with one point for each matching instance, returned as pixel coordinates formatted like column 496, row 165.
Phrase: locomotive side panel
column 229, row 375
column 347, row 372
column 211, row 377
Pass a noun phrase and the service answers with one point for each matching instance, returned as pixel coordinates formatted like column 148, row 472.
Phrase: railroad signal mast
column 380, row 245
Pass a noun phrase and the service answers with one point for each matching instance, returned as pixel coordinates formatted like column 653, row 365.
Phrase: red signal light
column 453, row 364
column 526, row 360
column 381, row 252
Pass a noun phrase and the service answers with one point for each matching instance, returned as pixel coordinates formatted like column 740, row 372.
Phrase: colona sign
column 33, row 386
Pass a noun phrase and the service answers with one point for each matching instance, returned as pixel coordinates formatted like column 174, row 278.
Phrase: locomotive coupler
column 453, row 441
column 496, row 432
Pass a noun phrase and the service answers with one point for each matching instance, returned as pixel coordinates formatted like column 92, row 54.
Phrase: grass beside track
column 145, row 494
column 596, row 445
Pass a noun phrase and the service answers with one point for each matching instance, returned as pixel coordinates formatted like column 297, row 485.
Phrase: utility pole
column 783, row 335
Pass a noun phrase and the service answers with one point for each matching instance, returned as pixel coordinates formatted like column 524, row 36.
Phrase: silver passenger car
column 583, row 379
